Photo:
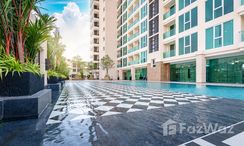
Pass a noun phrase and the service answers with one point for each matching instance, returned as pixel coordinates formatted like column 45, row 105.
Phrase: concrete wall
column 154, row 73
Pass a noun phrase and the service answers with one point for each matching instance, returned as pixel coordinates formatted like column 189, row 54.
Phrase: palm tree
column 107, row 63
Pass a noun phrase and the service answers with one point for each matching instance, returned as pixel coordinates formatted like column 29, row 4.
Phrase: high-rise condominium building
column 103, row 30
column 180, row 40
column 94, row 47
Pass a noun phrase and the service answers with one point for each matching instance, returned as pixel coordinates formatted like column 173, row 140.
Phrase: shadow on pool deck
column 128, row 129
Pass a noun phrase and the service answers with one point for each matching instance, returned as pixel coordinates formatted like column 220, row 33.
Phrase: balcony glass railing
column 133, row 49
column 168, row 54
column 119, row 55
column 119, row 45
column 169, row 13
column 134, row 23
column 119, row 65
column 133, row 10
column 129, row 2
column 134, row 62
column 133, row 36
column 119, row 35
column 169, row 33
column 242, row 36
column 242, row 2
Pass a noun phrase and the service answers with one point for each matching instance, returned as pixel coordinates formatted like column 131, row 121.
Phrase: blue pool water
column 209, row 90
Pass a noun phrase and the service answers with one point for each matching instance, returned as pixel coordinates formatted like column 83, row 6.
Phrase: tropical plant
column 8, row 64
column 37, row 33
column 52, row 73
column 14, row 19
column 81, row 65
column 55, row 50
column 63, row 67
column 107, row 63
column 2, row 51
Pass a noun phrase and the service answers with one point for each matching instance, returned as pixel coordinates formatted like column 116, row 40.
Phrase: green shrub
column 8, row 64
column 52, row 73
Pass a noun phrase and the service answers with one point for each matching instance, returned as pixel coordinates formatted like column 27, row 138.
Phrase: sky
column 74, row 25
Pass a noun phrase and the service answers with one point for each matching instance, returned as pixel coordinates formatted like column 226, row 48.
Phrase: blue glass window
column 188, row 20
column 220, row 35
column 144, row 41
column 185, row 3
column 188, row 44
column 144, row 26
column 217, row 8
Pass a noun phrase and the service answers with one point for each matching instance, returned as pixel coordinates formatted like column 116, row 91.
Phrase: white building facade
column 183, row 40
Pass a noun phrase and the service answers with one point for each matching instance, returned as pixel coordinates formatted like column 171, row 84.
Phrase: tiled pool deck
column 104, row 114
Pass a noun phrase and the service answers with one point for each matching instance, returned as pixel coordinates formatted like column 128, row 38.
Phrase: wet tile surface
column 231, row 136
column 123, row 116
column 102, row 99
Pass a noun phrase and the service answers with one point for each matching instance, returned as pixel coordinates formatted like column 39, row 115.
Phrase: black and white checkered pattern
column 91, row 99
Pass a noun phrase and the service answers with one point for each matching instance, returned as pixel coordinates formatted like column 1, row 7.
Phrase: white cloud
column 74, row 27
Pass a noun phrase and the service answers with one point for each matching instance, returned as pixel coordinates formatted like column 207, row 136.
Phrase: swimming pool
column 209, row 90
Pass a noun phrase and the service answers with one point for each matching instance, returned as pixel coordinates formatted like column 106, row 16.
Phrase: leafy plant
column 55, row 50
column 37, row 33
column 57, row 63
column 14, row 19
column 52, row 73
column 8, row 64
column 107, row 63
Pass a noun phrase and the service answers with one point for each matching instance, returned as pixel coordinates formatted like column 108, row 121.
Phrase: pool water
column 209, row 90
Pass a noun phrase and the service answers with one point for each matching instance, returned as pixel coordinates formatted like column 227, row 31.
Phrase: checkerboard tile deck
column 91, row 99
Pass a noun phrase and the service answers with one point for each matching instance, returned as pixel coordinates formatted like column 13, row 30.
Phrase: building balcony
column 119, row 45
column 169, row 33
column 133, row 23
column 94, row 2
column 119, row 65
column 119, row 35
column 133, row 10
column 169, row 13
column 241, row 8
column 134, row 62
column 242, row 35
column 133, row 49
column 119, row 55
column 167, row 3
column 133, row 36
column 170, row 53
column 129, row 2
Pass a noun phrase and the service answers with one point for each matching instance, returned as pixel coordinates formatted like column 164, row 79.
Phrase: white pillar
column 133, row 74
column 200, row 68
column 121, row 75
column 43, row 57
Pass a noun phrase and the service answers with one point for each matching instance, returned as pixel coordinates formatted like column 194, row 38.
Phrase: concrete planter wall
column 21, row 84
column 23, row 96
column 24, row 107
column 54, row 80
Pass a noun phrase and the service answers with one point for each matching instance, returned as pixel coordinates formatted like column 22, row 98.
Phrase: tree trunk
column 8, row 39
column 106, row 71
column 20, row 49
